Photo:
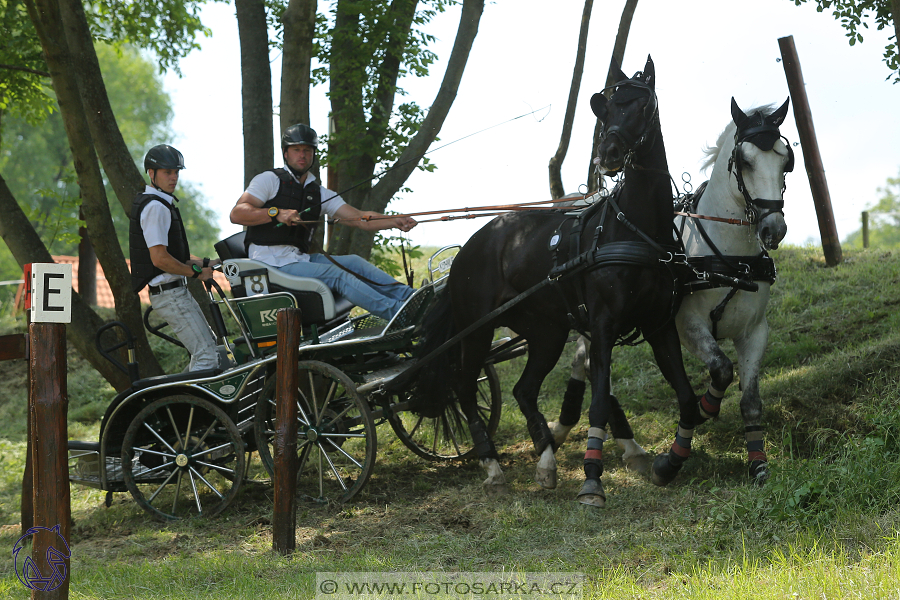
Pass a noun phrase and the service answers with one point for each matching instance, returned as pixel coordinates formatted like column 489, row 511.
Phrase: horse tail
column 432, row 388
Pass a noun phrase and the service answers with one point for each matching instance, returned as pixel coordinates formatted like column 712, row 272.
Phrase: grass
column 825, row 526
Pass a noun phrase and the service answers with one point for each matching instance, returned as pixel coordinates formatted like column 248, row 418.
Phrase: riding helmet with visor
column 163, row 157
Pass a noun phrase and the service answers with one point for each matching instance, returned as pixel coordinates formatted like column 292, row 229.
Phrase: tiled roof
column 104, row 294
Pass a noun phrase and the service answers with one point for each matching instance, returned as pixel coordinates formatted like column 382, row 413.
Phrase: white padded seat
column 316, row 301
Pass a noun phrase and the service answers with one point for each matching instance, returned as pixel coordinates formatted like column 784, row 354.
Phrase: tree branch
column 25, row 69
column 390, row 184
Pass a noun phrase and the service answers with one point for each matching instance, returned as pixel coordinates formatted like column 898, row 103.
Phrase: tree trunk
column 556, row 185
column 618, row 55
column 87, row 267
column 26, row 247
column 256, row 87
column 299, row 20
column 47, row 22
column 124, row 176
column 356, row 241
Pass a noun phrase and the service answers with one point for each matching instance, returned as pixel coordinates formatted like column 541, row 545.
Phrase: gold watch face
column 273, row 212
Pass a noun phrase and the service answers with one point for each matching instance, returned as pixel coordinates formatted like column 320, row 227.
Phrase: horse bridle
column 757, row 209
column 651, row 114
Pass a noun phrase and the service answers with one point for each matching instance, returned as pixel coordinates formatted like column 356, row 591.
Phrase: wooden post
column 865, row 228
column 284, row 515
column 815, row 171
column 48, row 411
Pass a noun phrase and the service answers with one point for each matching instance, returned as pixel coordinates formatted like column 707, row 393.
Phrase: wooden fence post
column 48, row 411
column 865, row 228
column 831, row 245
column 284, row 515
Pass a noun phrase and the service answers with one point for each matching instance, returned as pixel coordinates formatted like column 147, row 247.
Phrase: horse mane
column 712, row 152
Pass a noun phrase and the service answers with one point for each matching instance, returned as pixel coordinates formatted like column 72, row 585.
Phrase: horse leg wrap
column 484, row 447
column 570, row 411
column 681, row 447
column 540, row 434
column 756, row 453
column 593, row 456
column 711, row 403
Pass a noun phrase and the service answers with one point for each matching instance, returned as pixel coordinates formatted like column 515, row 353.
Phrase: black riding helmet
column 299, row 134
column 163, row 157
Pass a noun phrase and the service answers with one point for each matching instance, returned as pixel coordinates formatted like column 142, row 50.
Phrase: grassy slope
column 824, row 526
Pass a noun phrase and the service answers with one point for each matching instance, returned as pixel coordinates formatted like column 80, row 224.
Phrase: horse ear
column 777, row 117
column 650, row 73
column 737, row 114
column 616, row 71
column 598, row 105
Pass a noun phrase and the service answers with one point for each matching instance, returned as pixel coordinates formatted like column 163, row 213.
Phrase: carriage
column 182, row 444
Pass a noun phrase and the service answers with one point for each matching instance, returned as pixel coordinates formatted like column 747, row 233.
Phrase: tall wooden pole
column 815, row 171
column 49, row 407
column 284, row 514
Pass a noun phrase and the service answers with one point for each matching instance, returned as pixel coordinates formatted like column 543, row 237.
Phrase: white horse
column 731, row 223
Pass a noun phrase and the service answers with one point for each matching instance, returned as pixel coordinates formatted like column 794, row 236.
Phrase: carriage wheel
column 447, row 437
column 183, row 457
column 336, row 442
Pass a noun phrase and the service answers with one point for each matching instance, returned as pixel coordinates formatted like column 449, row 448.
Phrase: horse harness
column 644, row 253
column 719, row 270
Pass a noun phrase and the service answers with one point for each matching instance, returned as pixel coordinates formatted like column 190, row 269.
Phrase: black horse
column 612, row 273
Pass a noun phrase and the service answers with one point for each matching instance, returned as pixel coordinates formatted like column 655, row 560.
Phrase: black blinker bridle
column 758, row 209
column 651, row 115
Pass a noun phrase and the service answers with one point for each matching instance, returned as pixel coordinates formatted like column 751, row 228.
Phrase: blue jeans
column 381, row 300
column 184, row 316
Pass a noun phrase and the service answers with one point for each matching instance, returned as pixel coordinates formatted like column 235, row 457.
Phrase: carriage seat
column 317, row 303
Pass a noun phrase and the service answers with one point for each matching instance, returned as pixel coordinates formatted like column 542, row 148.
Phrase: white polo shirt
column 155, row 222
column 265, row 187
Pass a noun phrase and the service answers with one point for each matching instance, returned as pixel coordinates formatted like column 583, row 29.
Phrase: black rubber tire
column 447, row 437
column 172, row 479
column 336, row 438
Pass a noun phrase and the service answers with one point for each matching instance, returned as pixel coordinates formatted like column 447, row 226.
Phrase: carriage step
column 376, row 379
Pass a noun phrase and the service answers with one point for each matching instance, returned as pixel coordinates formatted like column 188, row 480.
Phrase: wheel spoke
column 210, row 450
column 155, row 452
column 159, row 437
column 218, row 468
column 344, row 452
column 196, row 494
column 208, row 484
column 154, row 469
column 164, row 484
column 187, row 431
column 177, row 492
column 334, row 470
column 450, row 434
column 174, row 426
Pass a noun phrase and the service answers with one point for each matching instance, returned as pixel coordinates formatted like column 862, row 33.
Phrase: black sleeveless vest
column 306, row 200
column 142, row 268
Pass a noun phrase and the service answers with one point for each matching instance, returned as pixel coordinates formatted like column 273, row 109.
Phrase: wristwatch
column 197, row 269
column 273, row 212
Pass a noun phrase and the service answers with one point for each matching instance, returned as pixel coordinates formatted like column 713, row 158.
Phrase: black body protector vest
column 142, row 268
column 306, row 200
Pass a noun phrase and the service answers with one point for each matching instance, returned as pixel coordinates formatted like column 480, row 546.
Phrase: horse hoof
column 759, row 472
column 592, row 494
column 639, row 463
column 546, row 478
column 559, row 431
column 495, row 490
column 663, row 472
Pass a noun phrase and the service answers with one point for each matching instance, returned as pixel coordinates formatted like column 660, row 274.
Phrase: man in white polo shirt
column 280, row 208
column 161, row 258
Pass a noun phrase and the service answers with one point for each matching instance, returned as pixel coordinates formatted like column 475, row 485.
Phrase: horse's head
column 629, row 116
column 758, row 163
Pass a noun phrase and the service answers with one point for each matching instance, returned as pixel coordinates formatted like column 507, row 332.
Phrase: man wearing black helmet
column 280, row 208
column 160, row 257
